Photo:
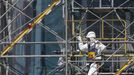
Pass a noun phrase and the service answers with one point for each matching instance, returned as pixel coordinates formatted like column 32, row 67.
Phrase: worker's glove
column 77, row 50
column 79, row 38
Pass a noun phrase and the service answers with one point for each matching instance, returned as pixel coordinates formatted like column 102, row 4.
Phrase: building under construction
column 39, row 37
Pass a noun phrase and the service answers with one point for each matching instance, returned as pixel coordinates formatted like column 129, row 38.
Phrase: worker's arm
column 100, row 46
column 81, row 45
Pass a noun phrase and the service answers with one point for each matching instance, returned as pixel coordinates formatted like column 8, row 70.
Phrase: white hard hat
column 91, row 34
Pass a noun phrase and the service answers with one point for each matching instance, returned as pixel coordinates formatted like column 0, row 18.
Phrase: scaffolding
column 110, row 19
column 104, row 17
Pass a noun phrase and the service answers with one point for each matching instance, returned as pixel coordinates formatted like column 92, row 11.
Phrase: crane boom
column 30, row 27
column 124, row 66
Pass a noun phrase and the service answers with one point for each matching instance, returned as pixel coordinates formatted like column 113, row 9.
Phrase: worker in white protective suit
column 93, row 49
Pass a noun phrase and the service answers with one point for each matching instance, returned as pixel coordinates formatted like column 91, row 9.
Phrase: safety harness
column 92, row 51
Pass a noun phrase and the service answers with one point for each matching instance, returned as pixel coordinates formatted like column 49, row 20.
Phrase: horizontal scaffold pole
column 29, row 27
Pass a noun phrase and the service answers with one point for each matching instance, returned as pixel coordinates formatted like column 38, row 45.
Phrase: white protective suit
column 98, row 45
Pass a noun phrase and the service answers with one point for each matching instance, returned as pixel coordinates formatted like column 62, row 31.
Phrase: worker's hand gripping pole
column 30, row 27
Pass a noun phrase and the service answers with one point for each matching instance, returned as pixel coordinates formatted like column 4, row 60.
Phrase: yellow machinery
column 124, row 66
column 30, row 26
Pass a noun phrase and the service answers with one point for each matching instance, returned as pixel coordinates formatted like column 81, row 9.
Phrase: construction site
column 66, row 37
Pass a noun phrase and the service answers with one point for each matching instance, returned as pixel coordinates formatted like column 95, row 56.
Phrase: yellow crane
column 124, row 66
column 30, row 27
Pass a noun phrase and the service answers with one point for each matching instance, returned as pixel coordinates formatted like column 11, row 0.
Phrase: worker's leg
column 93, row 69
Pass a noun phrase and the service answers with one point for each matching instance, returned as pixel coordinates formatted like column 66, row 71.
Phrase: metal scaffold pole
column 30, row 27
column 110, row 7
column 111, row 20
column 66, row 37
